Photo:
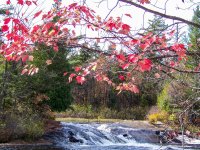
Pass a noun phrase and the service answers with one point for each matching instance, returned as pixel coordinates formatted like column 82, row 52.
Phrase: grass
column 84, row 120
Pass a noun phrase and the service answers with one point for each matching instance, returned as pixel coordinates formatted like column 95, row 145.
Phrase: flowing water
column 110, row 136
column 114, row 136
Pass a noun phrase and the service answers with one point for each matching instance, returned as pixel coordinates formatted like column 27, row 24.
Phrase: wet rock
column 73, row 139
column 125, row 135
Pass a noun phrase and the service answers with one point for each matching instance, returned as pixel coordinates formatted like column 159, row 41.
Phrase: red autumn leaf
column 16, row 21
column 21, row 2
column 98, row 77
column 4, row 28
column 55, row 48
column 121, row 57
column 28, row 3
column 172, row 33
column 7, row 12
column 86, row 72
column 134, row 89
column 77, row 69
column 7, row 20
column 144, row 46
column 125, row 66
column 145, row 65
column 9, row 36
column 71, row 77
column 121, row 77
column 133, row 58
column 35, row 28
column 30, row 58
column 8, row 2
column 25, row 58
column 111, row 25
column 37, row 14
column 80, row 79
column 65, row 73
column 72, row 5
column 24, row 71
column 126, row 28
column 144, row 1
column 157, row 75
column 172, row 64
column 134, row 41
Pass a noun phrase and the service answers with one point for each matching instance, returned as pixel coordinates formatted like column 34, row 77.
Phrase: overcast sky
column 138, row 17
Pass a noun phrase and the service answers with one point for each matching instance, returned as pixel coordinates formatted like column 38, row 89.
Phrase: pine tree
column 194, row 34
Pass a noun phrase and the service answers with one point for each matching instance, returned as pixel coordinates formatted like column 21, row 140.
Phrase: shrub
column 162, row 116
column 153, row 118
column 82, row 111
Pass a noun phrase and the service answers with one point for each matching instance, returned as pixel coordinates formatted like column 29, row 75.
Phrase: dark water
column 75, row 136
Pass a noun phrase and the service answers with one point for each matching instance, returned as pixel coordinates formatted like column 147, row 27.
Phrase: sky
column 139, row 18
column 136, row 13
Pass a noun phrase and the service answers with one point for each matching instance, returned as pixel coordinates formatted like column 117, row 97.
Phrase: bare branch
column 160, row 14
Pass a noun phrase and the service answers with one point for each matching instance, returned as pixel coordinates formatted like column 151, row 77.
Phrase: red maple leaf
column 121, row 57
column 134, row 41
column 144, row 1
column 111, row 25
column 28, row 3
column 21, row 2
column 133, row 58
column 145, row 65
column 144, row 46
column 71, row 77
column 77, row 69
column 125, row 29
column 37, row 14
column 80, row 79
column 125, row 66
column 121, row 77
column 65, row 73
column 134, row 89
column 6, row 20
column 8, row 2
column 4, row 28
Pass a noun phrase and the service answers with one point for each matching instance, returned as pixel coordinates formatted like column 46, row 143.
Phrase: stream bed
column 109, row 136
column 114, row 136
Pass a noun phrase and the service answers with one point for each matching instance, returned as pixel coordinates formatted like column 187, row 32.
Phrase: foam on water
column 110, row 136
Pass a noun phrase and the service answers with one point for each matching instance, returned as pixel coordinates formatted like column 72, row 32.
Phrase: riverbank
column 50, row 126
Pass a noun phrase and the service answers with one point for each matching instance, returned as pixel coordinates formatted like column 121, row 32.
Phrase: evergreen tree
column 194, row 34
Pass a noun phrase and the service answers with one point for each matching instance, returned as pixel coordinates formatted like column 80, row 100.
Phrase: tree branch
column 160, row 14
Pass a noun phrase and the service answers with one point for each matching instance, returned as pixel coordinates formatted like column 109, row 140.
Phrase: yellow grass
column 84, row 120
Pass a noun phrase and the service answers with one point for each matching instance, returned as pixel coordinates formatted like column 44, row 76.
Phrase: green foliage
column 81, row 111
column 50, row 80
column 163, row 98
column 194, row 40
column 157, row 25
column 194, row 31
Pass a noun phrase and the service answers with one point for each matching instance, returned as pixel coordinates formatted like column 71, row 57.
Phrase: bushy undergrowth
column 162, row 116
column 20, row 123
column 81, row 111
